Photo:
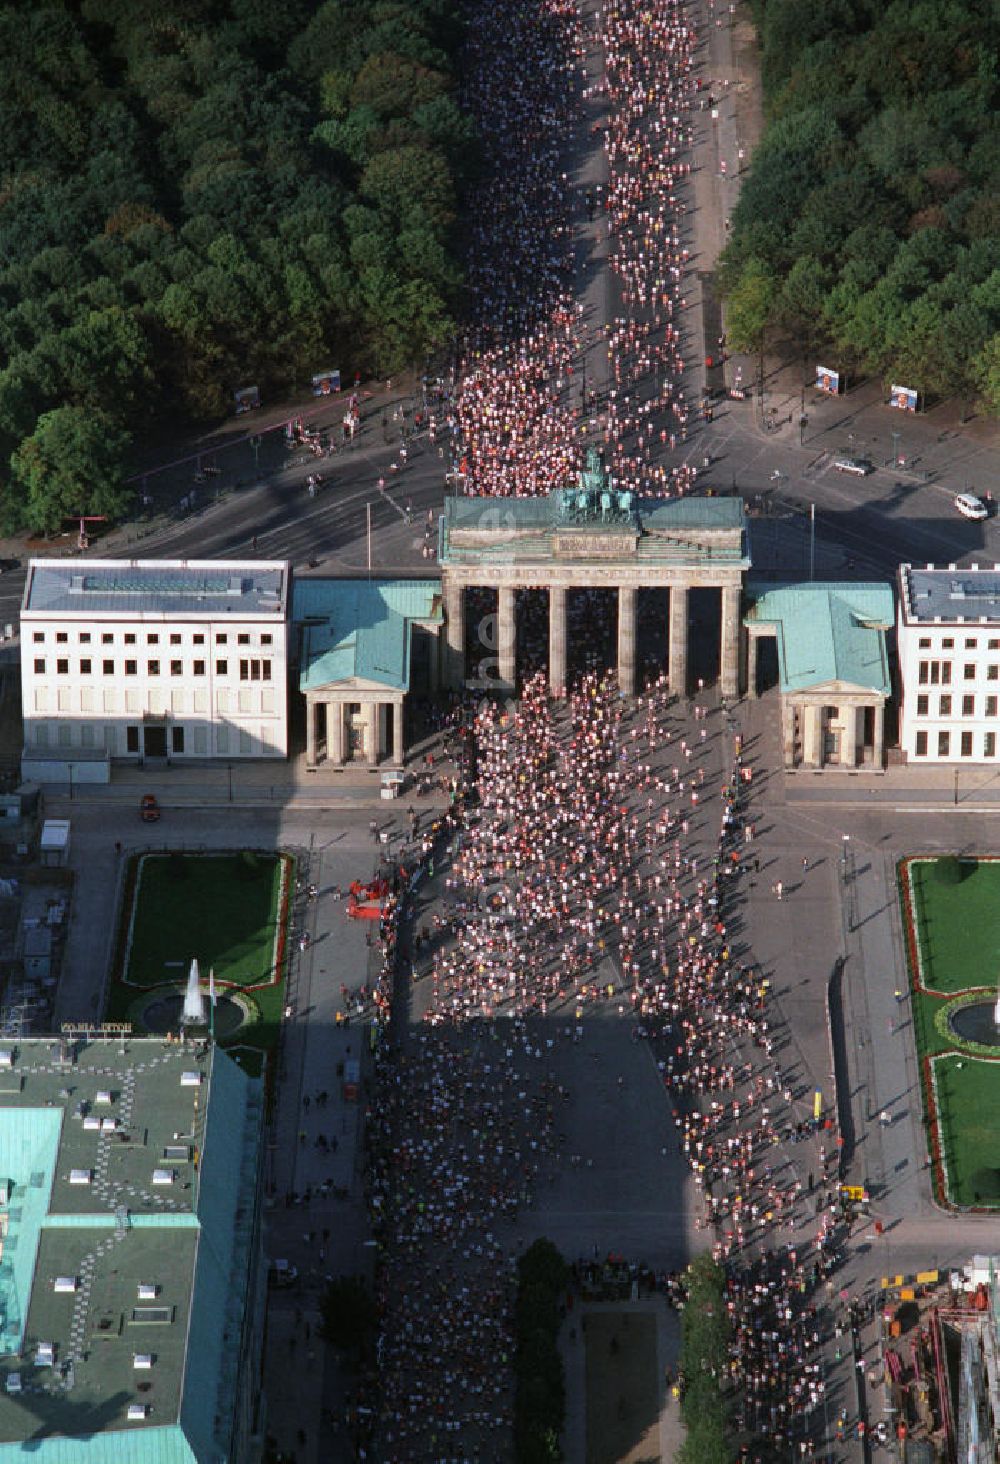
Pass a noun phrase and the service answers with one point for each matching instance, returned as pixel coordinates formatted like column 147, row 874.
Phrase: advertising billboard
column 246, row 399
column 903, row 397
column 828, row 381
column 324, row 383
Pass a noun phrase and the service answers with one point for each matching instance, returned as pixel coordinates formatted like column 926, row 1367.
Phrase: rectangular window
column 222, row 668
column 199, row 740
column 177, row 668
column 944, row 706
column 62, row 637
column 242, row 639
column 966, row 744
column 267, row 700
column 131, row 739
column 922, row 706
column 989, row 744
column 197, row 640
column 993, row 672
column 177, row 701
column 39, row 637
column 267, row 639
column 948, row 644
column 64, row 735
column 221, row 638
column 41, row 698
column 110, row 699
column 110, row 739
column 131, row 668
column 993, row 644
column 109, row 668
column 968, row 706
column 62, row 668
column 62, row 699
column 246, row 744
column 200, row 699
column 222, row 740
column 971, row 643
column 246, row 700
column 85, row 666
column 133, row 702
column 924, row 642
column 86, row 698
column 152, row 668
column 177, row 739
column 969, row 671
column 923, row 672
column 41, row 734
column 86, row 735
column 175, row 639
column 130, row 637
column 244, row 670
column 991, row 706
column 265, row 670
column 945, row 673
column 198, row 669
column 85, row 637
column 107, row 639
column 39, row 665
column 152, row 639
column 944, row 743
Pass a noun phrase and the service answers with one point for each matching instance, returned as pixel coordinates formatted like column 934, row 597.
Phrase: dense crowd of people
column 524, row 407
column 593, row 857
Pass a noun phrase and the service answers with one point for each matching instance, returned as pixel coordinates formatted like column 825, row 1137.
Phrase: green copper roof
column 360, row 629
column 144, row 1445
column 826, row 632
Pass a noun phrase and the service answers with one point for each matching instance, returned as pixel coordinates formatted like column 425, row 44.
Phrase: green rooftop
column 826, row 632
column 128, row 1215
column 361, row 629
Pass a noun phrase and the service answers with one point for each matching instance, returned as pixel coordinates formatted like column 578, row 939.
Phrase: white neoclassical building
column 948, row 644
column 152, row 660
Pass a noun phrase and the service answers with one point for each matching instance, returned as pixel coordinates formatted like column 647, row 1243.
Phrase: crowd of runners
column 526, row 406
column 593, row 859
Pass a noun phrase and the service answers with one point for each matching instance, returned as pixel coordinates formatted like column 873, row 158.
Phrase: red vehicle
column 365, row 899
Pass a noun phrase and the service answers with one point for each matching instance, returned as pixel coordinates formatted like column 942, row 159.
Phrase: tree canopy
column 197, row 195
column 869, row 223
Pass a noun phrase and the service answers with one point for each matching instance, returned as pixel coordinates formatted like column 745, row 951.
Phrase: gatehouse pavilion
column 586, row 537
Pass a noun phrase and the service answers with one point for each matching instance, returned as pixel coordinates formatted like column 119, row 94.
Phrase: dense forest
column 868, row 226
column 200, row 194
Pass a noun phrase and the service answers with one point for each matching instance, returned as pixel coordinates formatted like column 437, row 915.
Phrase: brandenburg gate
column 593, row 536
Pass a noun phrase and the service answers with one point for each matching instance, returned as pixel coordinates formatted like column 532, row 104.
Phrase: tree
column 73, row 463
column 749, row 305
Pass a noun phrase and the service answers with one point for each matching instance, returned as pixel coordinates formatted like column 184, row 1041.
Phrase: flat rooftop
column 124, row 1164
column 950, row 595
column 207, row 589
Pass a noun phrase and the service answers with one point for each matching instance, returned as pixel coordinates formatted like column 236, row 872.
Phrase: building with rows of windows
column 948, row 645
column 153, row 659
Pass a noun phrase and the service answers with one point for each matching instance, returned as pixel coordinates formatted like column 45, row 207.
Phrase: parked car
column 971, row 507
column 860, row 467
column 149, row 809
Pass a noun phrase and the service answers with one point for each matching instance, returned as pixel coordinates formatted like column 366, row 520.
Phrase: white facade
column 948, row 641
column 161, row 659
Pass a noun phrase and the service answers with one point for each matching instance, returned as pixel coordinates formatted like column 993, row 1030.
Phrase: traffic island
column 227, row 911
column 951, row 916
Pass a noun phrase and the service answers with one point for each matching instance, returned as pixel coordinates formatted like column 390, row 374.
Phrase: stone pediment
column 829, row 691
column 355, row 684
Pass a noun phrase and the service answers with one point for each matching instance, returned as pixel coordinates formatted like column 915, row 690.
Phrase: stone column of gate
column 677, row 646
column 397, row 731
column 310, row 733
column 506, row 637
column 730, row 649
column 557, row 640
column 626, row 639
column 878, row 738
column 453, row 670
column 335, row 732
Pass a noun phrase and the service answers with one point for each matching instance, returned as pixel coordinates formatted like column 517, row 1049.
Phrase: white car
column 971, row 507
column 860, row 467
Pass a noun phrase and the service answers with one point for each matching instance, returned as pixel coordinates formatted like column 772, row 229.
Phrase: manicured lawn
column 953, row 943
column 215, row 908
column 969, row 1096
column 958, row 925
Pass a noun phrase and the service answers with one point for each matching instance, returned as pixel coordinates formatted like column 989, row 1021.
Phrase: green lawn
column 958, row 925
column 213, row 908
column 969, row 1099
column 958, row 931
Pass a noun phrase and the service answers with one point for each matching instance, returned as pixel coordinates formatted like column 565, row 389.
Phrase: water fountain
column 193, row 1012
